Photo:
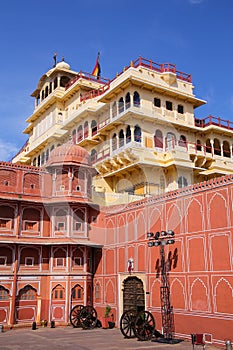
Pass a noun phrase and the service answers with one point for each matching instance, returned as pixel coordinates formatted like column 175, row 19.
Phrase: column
column 221, row 148
column 11, row 320
column 38, row 309
column 212, row 146
column 58, row 81
column 132, row 133
column 68, row 292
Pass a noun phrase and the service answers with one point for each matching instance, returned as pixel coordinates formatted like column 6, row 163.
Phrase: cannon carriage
column 83, row 316
column 138, row 324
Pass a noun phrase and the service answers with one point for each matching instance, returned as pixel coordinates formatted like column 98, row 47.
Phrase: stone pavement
column 78, row 339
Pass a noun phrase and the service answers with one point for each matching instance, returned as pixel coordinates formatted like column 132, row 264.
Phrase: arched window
column 6, row 217
column 217, row 147
column 47, row 155
column 31, row 220
column 34, row 162
column 121, row 105
column 79, row 221
column 136, row 99
column 182, row 182
column 58, row 292
column 93, row 128
column 64, row 81
column 4, row 293
column 27, row 293
column 60, row 220
column 198, row 145
column 55, row 83
column 137, row 134
column 182, row 141
column 171, row 140
column 97, row 292
column 80, row 133
column 46, row 91
column 93, row 155
column 42, row 158
column 86, row 129
column 78, row 258
column 226, row 149
column 74, row 136
column 59, row 260
column 128, row 134
column 51, row 148
column 114, row 109
column 38, row 160
column 127, row 100
column 208, row 146
column 158, row 139
column 77, row 292
column 114, row 142
column 121, row 138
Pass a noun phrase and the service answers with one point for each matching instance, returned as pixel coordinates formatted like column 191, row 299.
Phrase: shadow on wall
column 171, row 262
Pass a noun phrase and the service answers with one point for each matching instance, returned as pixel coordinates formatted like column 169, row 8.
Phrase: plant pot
column 111, row 324
column 105, row 321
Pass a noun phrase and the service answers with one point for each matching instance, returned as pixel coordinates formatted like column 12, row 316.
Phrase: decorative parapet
column 21, row 167
column 195, row 188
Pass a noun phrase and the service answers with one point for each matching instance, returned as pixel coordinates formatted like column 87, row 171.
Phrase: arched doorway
column 133, row 294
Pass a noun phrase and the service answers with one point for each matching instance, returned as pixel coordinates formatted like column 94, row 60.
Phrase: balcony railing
column 158, row 67
column 97, row 157
column 210, row 120
column 94, row 93
column 143, row 62
column 87, row 76
column 169, row 145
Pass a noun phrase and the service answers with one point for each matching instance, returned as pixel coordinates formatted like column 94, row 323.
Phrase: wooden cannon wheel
column 75, row 315
column 127, row 322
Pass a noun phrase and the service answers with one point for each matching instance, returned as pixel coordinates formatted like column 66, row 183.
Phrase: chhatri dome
column 69, row 153
column 63, row 65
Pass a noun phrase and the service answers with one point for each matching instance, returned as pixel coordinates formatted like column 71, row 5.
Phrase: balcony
column 89, row 77
column 216, row 121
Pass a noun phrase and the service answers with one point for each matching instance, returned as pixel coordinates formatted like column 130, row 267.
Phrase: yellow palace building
column 140, row 129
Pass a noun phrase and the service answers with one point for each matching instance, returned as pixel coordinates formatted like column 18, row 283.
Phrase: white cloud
column 7, row 150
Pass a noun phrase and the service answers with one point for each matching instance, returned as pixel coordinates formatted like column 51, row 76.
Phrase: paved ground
column 77, row 339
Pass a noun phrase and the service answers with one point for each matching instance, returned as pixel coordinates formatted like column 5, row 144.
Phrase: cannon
column 140, row 325
column 83, row 316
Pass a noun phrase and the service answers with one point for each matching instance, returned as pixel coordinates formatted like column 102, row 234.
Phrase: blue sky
column 196, row 35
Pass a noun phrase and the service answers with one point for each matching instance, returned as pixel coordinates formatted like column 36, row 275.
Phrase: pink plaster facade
column 58, row 249
column 201, row 276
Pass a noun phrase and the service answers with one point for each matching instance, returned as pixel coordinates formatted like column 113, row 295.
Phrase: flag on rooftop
column 96, row 71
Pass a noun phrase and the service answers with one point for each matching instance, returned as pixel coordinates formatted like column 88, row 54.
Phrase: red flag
column 96, row 71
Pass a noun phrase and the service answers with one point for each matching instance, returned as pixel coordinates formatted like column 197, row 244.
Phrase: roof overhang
column 216, row 171
column 52, row 242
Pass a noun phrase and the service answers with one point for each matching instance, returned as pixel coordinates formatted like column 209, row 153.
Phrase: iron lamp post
column 161, row 239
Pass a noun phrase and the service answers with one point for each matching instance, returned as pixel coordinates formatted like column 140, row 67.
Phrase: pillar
column 14, row 289
column 38, row 309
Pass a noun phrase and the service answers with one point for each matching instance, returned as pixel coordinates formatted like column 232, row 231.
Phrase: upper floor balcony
column 122, row 152
column 213, row 121
column 140, row 62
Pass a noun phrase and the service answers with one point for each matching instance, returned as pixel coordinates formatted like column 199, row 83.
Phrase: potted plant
column 107, row 321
